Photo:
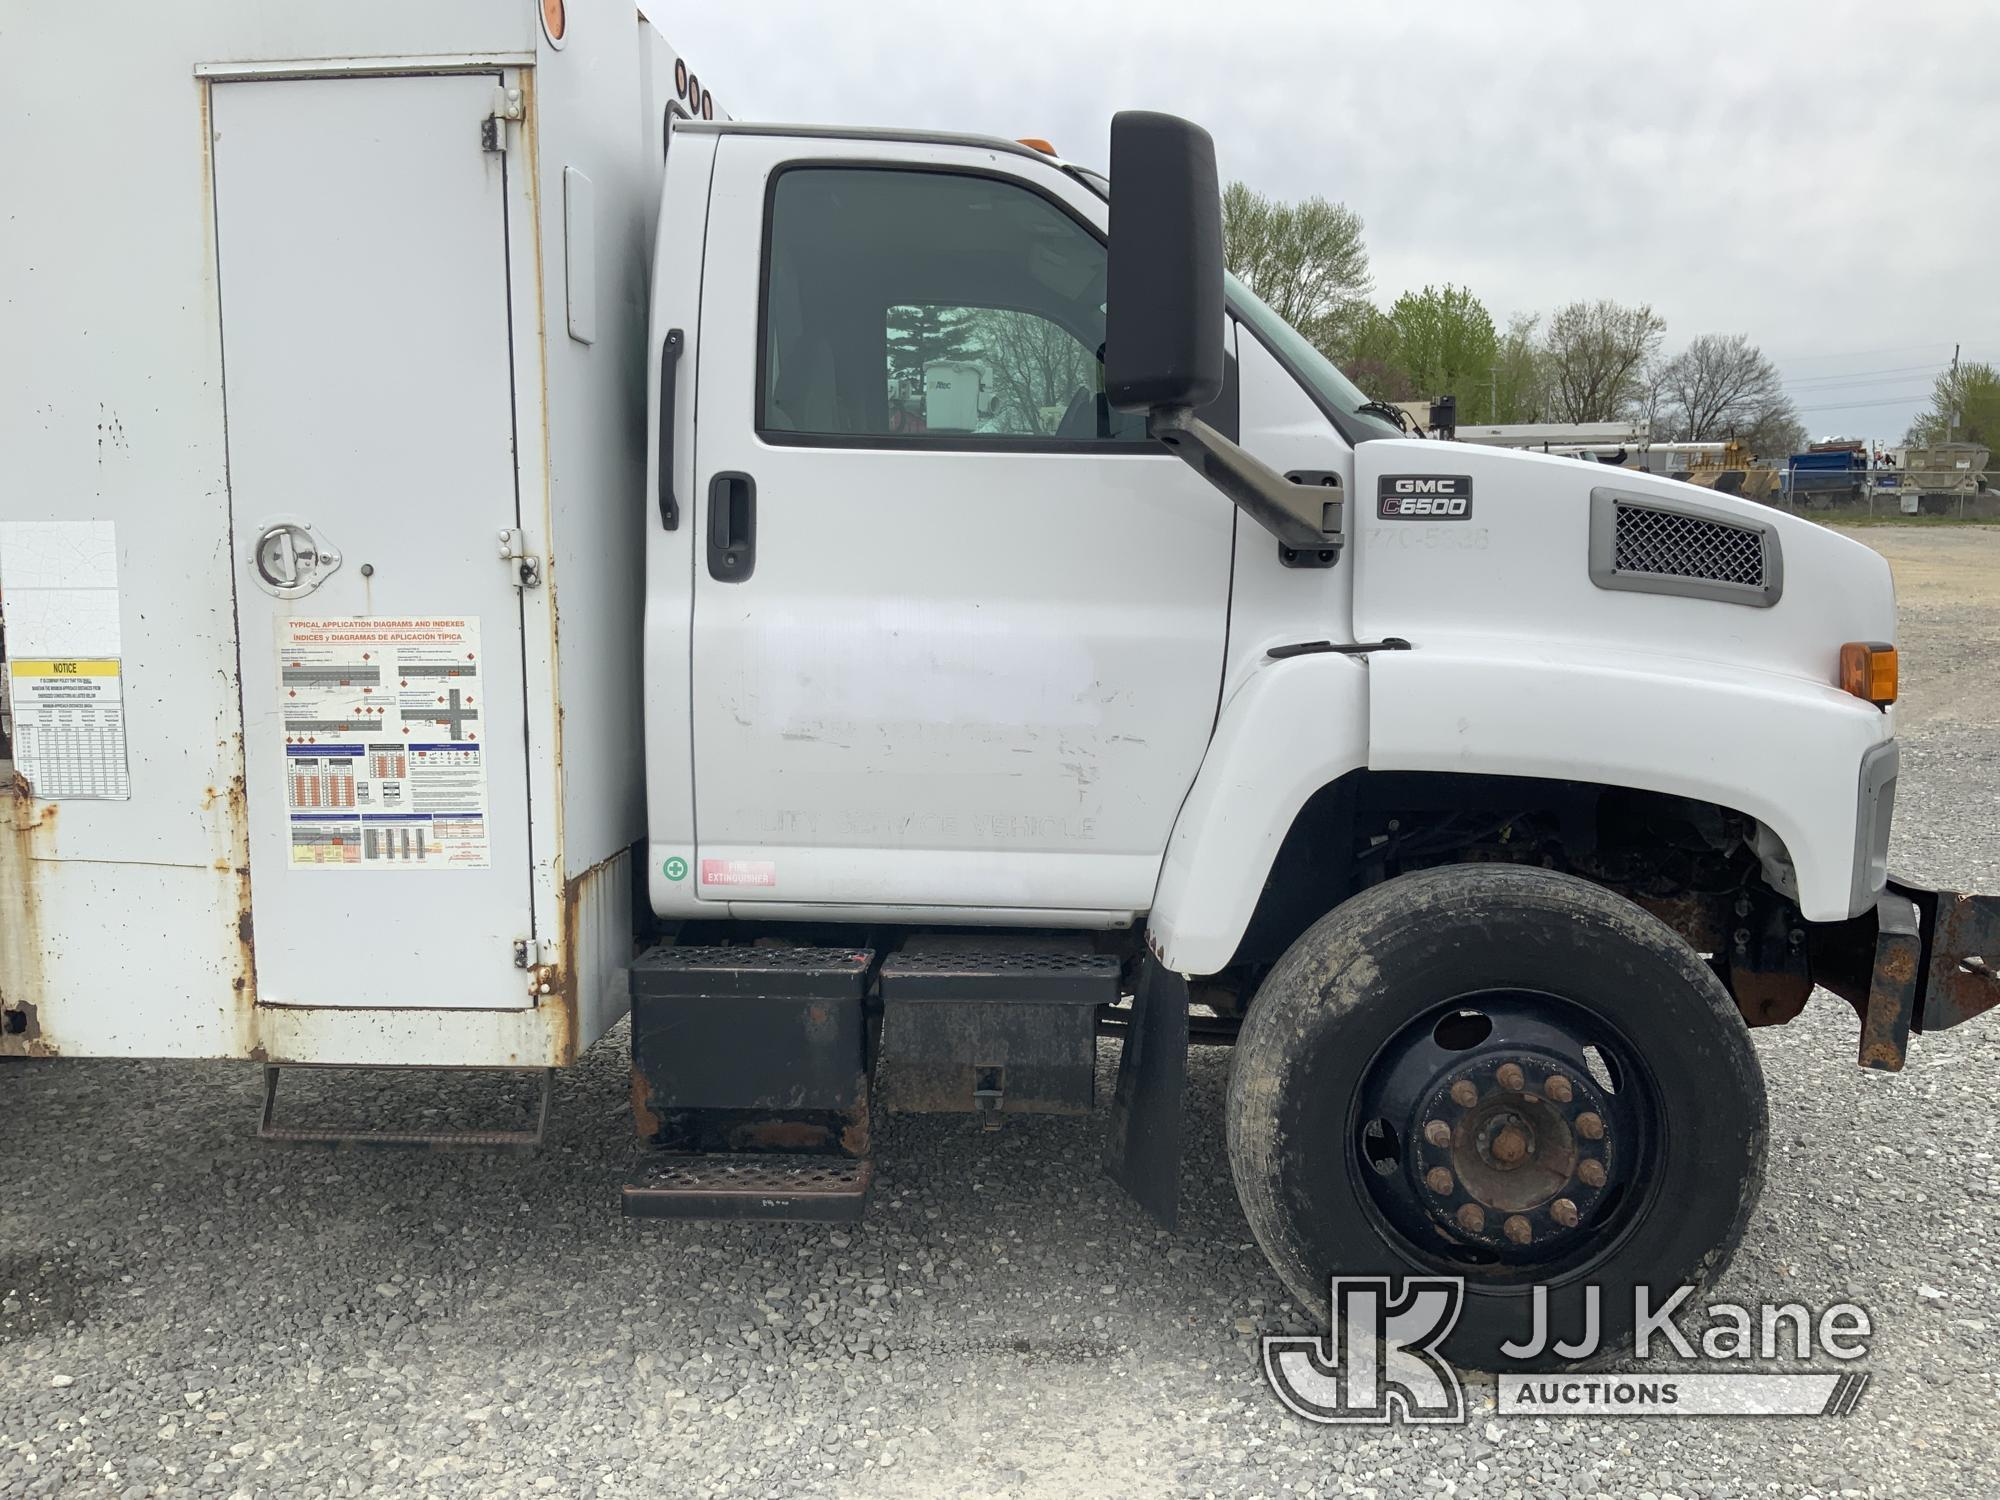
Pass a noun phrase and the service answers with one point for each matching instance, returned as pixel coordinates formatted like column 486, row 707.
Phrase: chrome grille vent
column 1646, row 543
column 1682, row 546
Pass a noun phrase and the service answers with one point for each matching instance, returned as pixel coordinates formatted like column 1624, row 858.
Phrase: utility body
column 493, row 543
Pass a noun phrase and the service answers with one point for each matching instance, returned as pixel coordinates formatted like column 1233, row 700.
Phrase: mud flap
column 1142, row 1152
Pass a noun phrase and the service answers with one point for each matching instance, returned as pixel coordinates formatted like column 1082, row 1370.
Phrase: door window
column 937, row 309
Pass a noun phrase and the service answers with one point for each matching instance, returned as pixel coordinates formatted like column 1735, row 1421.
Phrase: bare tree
column 1304, row 259
column 1720, row 386
column 1595, row 353
column 1035, row 367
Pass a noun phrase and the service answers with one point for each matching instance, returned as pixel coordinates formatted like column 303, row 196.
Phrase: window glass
column 932, row 306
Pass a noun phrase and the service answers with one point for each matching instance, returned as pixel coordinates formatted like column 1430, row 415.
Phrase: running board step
column 804, row 1189
column 441, row 1140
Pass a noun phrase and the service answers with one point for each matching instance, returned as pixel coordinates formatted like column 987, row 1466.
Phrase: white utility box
column 322, row 540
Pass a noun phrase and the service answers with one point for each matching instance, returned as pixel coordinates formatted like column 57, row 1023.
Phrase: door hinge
column 527, row 953
column 514, row 549
column 507, row 106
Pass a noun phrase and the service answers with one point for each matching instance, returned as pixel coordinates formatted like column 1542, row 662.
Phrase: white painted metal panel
column 955, row 679
column 362, row 242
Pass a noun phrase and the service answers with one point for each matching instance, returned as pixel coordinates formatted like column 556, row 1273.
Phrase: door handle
column 732, row 527
column 670, row 363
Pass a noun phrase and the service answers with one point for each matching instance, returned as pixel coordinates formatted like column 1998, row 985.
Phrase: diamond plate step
column 808, row 1189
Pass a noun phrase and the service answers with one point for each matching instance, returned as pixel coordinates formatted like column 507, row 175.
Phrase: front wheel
column 1505, row 1075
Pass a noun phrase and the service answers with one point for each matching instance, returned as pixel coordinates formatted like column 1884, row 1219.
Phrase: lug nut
column 1471, row 1218
column 1463, row 1094
column 1592, row 1172
column 1509, row 1146
column 1590, row 1125
column 1558, row 1088
column 1563, row 1212
column 1510, row 1077
column 1518, row 1229
column 1437, row 1133
column 1438, row 1180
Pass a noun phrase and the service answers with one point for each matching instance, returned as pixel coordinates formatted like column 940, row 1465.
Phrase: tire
column 1377, row 1006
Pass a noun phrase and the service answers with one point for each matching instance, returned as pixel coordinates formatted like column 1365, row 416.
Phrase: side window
column 932, row 308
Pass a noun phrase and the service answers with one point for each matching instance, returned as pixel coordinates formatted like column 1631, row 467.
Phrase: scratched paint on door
column 383, row 723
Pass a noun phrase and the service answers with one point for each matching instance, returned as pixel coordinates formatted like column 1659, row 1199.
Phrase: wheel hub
column 1507, row 1170
column 1509, row 1150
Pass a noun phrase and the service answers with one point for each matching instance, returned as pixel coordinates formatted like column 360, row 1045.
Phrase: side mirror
column 1164, row 309
column 1164, row 314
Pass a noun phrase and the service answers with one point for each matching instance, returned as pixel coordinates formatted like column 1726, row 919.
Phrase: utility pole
column 1951, row 416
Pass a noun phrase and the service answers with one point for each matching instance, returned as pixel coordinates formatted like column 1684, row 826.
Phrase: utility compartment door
column 361, row 235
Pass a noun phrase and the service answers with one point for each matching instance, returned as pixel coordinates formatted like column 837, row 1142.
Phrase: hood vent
column 1644, row 544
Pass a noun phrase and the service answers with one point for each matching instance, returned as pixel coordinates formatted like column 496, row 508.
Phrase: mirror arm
column 1299, row 515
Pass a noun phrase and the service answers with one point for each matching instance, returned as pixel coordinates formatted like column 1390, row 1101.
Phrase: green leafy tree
column 1516, row 389
column 1373, row 358
column 1965, row 405
column 1306, row 260
column 1445, row 341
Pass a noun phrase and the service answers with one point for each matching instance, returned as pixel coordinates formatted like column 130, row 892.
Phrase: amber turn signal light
column 1868, row 670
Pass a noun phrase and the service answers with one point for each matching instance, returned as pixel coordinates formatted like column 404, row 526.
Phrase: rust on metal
column 31, row 830
column 1509, row 1076
column 1590, row 1125
column 1965, row 954
column 1701, row 920
column 1471, row 1218
column 1558, row 1088
column 1769, row 998
column 1463, row 1094
column 642, row 1106
column 1438, row 1180
column 1518, row 1229
column 1591, row 1172
column 1564, row 1213
column 1892, row 987
column 1437, row 1133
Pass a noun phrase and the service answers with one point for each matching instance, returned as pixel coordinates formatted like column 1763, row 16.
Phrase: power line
column 1917, row 396
column 1804, row 359
column 1846, row 377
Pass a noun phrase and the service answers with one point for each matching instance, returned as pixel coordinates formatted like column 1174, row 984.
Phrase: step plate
column 807, row 1189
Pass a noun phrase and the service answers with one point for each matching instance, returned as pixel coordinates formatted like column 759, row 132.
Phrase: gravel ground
column 184, row 1311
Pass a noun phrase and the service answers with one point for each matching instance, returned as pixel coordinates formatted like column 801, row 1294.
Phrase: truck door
column 362, row 243
column 958, row 629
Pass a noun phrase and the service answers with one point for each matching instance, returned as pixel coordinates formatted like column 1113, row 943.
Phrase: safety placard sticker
column 738, row 872
column 383, row 724
column 69, row 727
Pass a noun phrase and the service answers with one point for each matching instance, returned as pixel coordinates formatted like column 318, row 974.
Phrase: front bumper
column 1923, row 960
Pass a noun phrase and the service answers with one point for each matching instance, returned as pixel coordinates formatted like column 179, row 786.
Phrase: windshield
column 1319, row 373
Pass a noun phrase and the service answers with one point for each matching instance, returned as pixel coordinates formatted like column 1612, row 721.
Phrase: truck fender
column 1813, row 764
column 1293, row 726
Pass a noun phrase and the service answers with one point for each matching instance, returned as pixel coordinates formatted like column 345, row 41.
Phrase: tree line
column 1587, row 361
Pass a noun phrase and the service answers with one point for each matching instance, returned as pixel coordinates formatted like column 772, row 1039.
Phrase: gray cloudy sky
column 1820, row 174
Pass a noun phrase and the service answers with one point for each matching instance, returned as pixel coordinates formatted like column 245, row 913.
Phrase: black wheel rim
column 1507, row 1135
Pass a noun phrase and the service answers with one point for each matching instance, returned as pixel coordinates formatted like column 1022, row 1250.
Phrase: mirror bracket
column 1303, row 516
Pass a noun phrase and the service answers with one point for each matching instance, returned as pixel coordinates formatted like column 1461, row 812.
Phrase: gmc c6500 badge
column 1424, row 497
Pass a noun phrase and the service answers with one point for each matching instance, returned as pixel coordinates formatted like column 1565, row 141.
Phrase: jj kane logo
column 1424, row 497
column 1381, row 1360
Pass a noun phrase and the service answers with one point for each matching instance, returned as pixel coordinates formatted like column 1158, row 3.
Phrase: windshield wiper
column 1388, row 412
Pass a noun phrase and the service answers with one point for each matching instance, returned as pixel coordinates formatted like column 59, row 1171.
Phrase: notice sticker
column 738, row 872
column 384, row 725
column 69, row 727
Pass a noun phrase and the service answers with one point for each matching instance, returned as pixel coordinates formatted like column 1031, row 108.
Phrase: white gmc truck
column 490, row 543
